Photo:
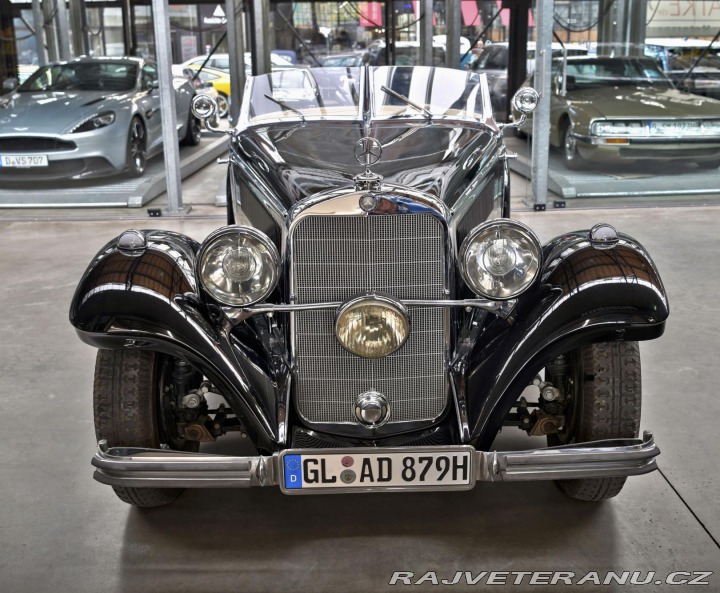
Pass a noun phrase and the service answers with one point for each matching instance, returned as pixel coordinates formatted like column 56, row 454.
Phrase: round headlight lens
column 500, row 259
column 372, row 326
column 238, row 266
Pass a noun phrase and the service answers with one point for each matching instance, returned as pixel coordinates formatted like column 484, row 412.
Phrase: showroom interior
column 649, row 173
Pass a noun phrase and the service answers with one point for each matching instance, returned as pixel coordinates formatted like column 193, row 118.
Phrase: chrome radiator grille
column 339, row 257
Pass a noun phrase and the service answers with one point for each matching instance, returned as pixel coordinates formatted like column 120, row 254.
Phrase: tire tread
column 612, row 397
column 124, row 406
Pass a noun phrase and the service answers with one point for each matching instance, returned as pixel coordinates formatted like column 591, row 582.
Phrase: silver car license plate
column 675, row 128
column 23, row 160
column 416, row 468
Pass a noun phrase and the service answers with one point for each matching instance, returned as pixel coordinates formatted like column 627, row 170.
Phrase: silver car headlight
column 500, row 259
column 238, row 266
column 95, row 122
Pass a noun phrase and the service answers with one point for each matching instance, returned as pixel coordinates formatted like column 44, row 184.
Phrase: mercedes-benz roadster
column 371, row 316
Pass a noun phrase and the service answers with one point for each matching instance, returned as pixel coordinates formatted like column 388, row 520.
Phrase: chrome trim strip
column 136, row 467
column 262, row 192
column 610, row 458
column 345, row 202
column 500, row 308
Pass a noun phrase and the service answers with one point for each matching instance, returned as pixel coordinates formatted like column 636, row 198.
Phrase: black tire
column 130, row 411
column 605, row 386
column 136, row 148
column 571, row 157
column 193, row 134
column 714, row 164
column 223, row 105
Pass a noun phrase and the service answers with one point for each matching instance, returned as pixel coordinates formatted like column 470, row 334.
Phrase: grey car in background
column 88, row 117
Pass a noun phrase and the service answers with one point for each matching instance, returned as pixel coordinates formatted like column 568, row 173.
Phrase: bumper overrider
column 303, row 471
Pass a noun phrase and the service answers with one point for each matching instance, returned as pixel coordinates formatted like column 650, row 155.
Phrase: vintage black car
column 378, row 321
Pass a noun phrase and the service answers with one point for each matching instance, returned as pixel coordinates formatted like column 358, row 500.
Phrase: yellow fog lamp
column 372, row 326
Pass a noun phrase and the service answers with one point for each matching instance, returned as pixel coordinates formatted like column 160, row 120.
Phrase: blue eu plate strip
column 293, row 471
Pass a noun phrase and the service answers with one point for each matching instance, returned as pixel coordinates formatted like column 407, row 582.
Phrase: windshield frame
column 448, row 94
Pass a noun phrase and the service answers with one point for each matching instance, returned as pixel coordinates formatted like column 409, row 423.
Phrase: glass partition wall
column 636, row 85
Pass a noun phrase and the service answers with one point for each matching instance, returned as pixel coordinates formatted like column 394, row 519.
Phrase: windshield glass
column 440, row 91
column 602, row 72
column 315, row 92
column 335, row 93
column 83, row 76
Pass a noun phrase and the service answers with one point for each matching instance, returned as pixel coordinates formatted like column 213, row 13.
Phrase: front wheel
column 131, row 404
column 223, row 105
column 571, row 157
column 604, row 391
column 136, row 148
column 193, row 134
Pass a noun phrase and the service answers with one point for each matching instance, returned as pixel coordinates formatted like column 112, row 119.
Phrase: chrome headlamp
column 500, row 259
column 238, row 266
column 372, row 326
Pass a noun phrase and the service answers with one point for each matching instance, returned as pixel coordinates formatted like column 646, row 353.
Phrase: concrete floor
column 60, row 531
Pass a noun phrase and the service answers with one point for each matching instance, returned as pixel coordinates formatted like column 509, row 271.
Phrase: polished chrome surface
column 603, row 236
column 137, row 467
column 132, row 242
column 336, row 258
column 610, row 458
column 372, row 409
column 499, row 308
column 368, row 151
column 524, row 101
column 205, row 108
column 499, row 227
column 273, row 263
column 293, row 157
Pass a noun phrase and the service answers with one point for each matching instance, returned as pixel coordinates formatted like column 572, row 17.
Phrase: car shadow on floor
column 262, row 540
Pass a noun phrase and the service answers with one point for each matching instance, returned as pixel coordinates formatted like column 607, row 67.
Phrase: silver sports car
column 88, row 117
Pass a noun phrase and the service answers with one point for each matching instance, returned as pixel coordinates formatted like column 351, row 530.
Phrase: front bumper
column 595, row 148
column 134, row 467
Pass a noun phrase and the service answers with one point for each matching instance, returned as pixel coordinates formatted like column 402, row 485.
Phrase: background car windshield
column 83, row 76
column 611, row 71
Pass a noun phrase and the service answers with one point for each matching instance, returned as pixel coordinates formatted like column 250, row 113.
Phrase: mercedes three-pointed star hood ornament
column 368, row 152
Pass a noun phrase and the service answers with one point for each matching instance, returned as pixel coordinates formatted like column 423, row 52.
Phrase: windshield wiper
column 407, row 101
column 286, row 106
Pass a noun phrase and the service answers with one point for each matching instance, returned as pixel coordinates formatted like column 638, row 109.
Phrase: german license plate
column 416, row 468
column 23, row 160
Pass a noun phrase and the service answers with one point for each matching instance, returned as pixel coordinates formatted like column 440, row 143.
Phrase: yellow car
column 220, row 81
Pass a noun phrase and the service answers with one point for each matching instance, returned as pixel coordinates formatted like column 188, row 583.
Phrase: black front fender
column 151, row 300
column 585, row 295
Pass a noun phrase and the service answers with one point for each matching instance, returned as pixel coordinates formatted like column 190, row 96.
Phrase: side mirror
column 205, row 108
column 570, row 83
column 152, row 84
column 525, row 101
column 10, row 84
